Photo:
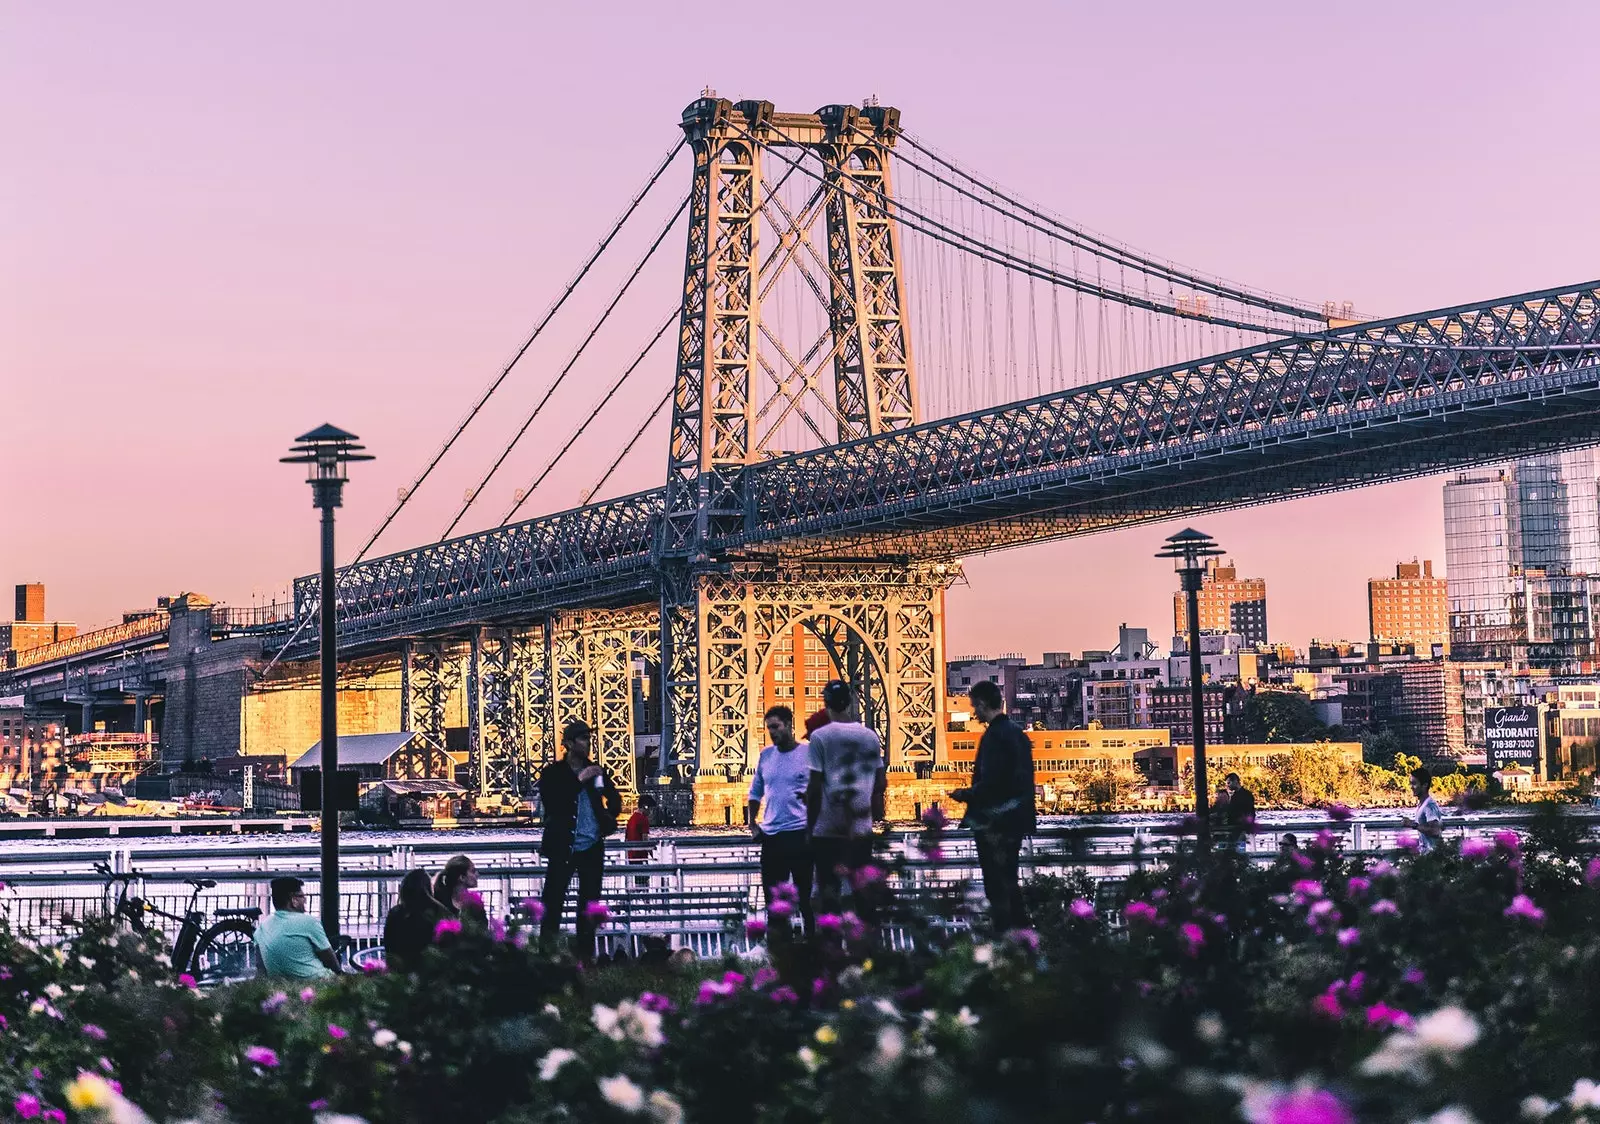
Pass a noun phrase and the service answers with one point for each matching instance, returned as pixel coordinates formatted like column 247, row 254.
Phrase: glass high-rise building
column 1522, row 556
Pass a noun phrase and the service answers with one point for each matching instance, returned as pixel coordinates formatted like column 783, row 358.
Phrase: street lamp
column 325, row 452
column 1189, row 550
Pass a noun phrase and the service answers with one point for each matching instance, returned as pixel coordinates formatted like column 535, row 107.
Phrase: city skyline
column 272, row 255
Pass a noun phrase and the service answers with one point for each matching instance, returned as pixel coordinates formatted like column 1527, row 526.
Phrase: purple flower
column 1476, row 849
column 733, row 979
column 1349, row 938
column 1338, row 813
column 1415, row 976
column 497, row 930
column 1383, row 906
column 854, row 928
column 261, row 1056
column 307, row 994
column 447, row 927
column 317, row 1105
column 188, row 981
column 1383, row 1016
column 660, row 1004
column 337, row 1032
column 712, row 991
column 829, row 923
column 1322, row 915
column 55, row 1116
column 1408, row 841
column 1357, row 982
column 1327, row 1006
column 1522, row 906
column 1357, row 886
column 1083, row 908
column 780, row 907
column 1309, row 1106
column 272, row 1002
column 785, row 892
column 1508, row 841
column 597, row 912
column 764, row 976
column 1382, row 868
column 1193, row 936
column 1325, row 840
column 1142, row 912
column 1308, row 888
column 471, row 899
column 1024, row 938
column 785, row 995
column 374, row 967
column 95, row 1032
column 26, row 1106
column 1591, row 873
column 755, row 928
column 819, row 987
column 535, row 909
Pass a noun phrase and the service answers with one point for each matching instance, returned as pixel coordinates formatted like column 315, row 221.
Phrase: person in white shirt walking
column 782, row 772
column 846, row 791
column 1428, row 819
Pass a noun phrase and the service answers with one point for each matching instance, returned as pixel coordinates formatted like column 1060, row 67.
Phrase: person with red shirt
column 637, row 831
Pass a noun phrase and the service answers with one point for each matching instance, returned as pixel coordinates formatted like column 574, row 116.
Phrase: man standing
column 1000, row 805
column 581, row 807
column 1240, row 814
column 845, row 792
column 292, row 943
column 783, row 772
column 1428, row 819
column 637, row 831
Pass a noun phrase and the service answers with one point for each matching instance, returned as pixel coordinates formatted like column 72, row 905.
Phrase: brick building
column 1228, row 603
column 1411, row 607
column 29, row 629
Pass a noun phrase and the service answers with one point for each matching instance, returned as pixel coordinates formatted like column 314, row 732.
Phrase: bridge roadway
column 1363, row 404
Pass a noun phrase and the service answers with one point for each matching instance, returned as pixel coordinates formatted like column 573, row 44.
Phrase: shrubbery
column 1325, row 989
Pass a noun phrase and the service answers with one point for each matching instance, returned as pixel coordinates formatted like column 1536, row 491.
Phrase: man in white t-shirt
column 846, row 791
column 782, row 773
column 1428, row 819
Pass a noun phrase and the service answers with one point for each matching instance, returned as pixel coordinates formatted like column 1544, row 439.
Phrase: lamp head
column 325, row 452
column 1189, row 550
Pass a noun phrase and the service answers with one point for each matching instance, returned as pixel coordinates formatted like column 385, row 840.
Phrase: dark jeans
column 830, row 856
column 786, row 857
column 590, row 867
column 998, row 854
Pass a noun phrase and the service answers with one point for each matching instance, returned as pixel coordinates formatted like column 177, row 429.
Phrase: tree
column 1381, row 748
column 1281, row 716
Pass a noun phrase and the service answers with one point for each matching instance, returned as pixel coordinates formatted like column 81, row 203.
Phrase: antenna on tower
column 708, row 92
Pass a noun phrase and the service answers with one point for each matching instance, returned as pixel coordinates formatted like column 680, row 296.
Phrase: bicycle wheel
column 226, row 953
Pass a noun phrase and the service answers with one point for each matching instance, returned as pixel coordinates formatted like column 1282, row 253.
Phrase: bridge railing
column 153, row 625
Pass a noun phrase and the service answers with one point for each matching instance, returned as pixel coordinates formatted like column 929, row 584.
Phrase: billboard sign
column 1511, row 736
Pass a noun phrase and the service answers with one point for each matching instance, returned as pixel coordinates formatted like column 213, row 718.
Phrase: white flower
column 983, row 954
column 622, row 1092
column 164, row 960
column 553, row 1061
column 1448, row 1030
column 607, row 1023
column 664, row 1108
column 629, row 1022
column 1585, row 1094
column 808, row 1058
column 551, row 1010
column 54, row 991
column 1537, row 1108
column 383, row 1038
column 337, row 1118
column 966, row 1018
column 1209, row 1028
column 404, row 1047
column 891, row 1044
column 886, row 1008
column 87, row 963
column 1451, row 1115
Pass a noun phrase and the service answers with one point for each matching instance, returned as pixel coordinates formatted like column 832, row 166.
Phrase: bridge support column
column 593, row 655
column 429, row 673
column 511, row 728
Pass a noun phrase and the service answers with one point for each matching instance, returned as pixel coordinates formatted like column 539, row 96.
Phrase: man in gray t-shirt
column 846, row 791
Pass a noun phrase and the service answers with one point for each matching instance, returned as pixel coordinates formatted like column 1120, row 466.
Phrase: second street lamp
column 1189, row 550
column 325, row 452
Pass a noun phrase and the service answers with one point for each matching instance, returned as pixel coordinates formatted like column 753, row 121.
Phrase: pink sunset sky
column 222, row 225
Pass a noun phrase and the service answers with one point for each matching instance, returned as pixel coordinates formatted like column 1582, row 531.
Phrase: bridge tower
column 721, row 614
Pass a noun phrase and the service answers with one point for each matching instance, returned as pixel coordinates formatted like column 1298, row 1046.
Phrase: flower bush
column 1458, row 986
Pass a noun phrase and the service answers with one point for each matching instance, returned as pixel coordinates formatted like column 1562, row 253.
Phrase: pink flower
column 272, row 1002
column 733, row 979
column 1349, row 938
column 1309, row 1106
column 261, row 1056
column 1384, row 906
column 829, row 923
column 1302, row 860
column 785, row 995
column 1476, row 849
column 1383, row 1016
column 1508, row 841
column 1142, row 912
column 819, row 987
column 497, row 930
column 1327, row 1006
column 1193, row 936
column 374, row 967
column 780, row 907
column 55, row 1116
column 1325, row 840
column 188, row 981
column 447, row 926
column 932, row 852
column 1591, row 873
column 336, row 1032
column 713, row 990
column 317, row 1105
column 1357, row 982
column 1415, row 977
column 660, row 1004
column 1025, row 938
column 1083, row 908
column 763, row 977
column 27, row 1106
column 755, row 928
column 1408, row 841
column 471, row 899
column 854, row 927
column 535, row 909
column 1357, row 886
column 785, row 892
column 1322, row 915
column 1522, row 906
column 307, row 994
column 866, row 876
column 1338, row 813
column 1308, row 888
column 95, row 1032
column 597, row 912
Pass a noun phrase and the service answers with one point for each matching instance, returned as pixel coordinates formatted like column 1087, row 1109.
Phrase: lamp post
column 1189, row 550
column 325, row 452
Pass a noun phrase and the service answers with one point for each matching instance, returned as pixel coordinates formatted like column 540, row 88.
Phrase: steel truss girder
column 511, row 739
column 1023, row 460
column 895, row 611
column 429, row 674
column 592, row 658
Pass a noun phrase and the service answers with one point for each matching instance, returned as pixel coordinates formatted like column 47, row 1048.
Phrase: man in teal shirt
column 291, row 942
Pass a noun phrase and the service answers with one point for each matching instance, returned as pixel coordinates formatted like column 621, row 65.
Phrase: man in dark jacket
column 1000, row 805
column 581, row 807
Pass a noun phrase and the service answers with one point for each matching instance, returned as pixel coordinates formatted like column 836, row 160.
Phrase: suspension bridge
column 884, row 362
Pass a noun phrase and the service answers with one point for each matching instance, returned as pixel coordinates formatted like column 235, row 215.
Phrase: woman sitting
column 408, row 930
column 456, row 890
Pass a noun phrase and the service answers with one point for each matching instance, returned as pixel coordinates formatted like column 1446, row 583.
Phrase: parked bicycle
column 224, row 950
